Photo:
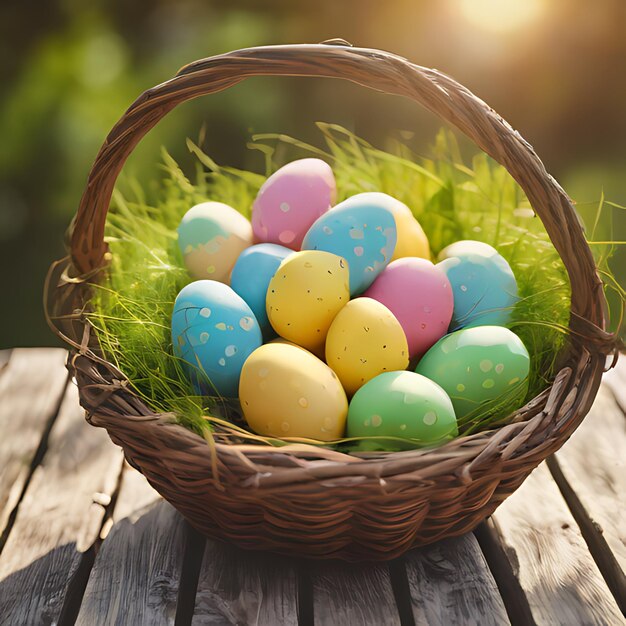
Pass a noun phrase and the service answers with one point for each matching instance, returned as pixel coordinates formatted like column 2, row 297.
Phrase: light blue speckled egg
column 213, row 331
column 362, row 232
column 484, row 289
column 252, row 274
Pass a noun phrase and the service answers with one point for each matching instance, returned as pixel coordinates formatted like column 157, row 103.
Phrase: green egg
column 403, row 405
column 478, row 365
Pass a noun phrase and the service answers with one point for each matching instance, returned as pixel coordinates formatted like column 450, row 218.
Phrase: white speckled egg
column 402, row 405
column 478, row 365
column 362, row 232
column 211, row 236
column 213, row 332
column 484, row 289
column 285, row 391
column 291, row 199
column 412, row 240
column 420, row 297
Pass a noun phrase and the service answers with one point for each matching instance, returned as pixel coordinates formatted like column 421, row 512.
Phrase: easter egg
column 477, row 365
column 412, row 240
column 285, row 391
column 363, row 233
column 251, row 277
column 365, row 340
column 420, row 296
column 401, row 404
column 466, row 246
column 484, row 288
column 304, row 295
column 291, row 199
column 211, row 236
column 213, row 332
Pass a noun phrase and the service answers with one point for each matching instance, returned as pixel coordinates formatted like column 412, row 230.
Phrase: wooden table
column 85, row 540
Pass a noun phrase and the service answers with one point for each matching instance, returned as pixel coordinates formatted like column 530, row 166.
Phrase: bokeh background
column 556, row 69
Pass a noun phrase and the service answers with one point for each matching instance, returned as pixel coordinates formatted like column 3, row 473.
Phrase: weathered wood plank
column 450, row 583
column 239, row 587
column 31, row 388
column 353, row 593
column 548, row 554
column 590, row 470
column 136, row 574
column 59, row 517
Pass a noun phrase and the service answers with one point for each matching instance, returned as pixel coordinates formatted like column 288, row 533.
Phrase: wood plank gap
column 305, row 594
column 136, row 575
column 59, row 518
column 76, row 588
column 30, row 387
column 513, row 596
column 5, row 356
column 401, row 591
column 35, row 462
column 592, row 534
column 190, row 572
column 550, row 558
column 78, row 582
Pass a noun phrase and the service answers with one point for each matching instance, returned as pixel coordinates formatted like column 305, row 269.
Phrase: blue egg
column 362, row 232
column 484, row 289
column 214, row 331
column 251, row 276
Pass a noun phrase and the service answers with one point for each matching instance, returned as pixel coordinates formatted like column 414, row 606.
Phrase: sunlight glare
column 501, row 16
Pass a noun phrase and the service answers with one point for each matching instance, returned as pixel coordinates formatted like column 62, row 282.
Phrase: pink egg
column 291, row 199
column 420, row 296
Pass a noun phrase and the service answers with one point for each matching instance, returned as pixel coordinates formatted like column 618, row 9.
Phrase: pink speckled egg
column 291, row 199
column 420, row 296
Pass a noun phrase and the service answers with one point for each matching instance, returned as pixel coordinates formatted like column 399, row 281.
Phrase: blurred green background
column 554, row 68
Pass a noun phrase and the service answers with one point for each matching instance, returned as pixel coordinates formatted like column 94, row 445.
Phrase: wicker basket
column 298, row 499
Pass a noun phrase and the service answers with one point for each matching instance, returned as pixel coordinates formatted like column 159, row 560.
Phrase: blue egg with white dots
column 484, row 289
column 251, row 276
column 362, row 232
column 213, row 331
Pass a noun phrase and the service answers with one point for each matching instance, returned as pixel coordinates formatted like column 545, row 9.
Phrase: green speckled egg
column 401, row 404
column 477, row 365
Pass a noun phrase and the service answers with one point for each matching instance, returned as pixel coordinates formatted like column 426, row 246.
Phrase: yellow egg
column 364, row 340
column 307, row 291
column 285, row 391
column 412, row 240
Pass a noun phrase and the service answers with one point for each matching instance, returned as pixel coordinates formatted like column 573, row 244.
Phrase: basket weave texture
column 298, row 499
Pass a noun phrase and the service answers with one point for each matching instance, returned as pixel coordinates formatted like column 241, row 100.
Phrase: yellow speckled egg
column 364, row 340
column 303, row 297
column 285, row 391
column 412, row 240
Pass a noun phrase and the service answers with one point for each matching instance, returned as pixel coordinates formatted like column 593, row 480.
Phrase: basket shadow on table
column 152, row 560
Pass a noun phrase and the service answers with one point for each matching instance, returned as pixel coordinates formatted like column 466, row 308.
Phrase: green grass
column 131, row 310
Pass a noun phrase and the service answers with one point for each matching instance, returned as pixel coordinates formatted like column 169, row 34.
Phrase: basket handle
column 377, row 70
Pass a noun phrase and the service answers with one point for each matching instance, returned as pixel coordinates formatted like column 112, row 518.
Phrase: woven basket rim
column 173, row 457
